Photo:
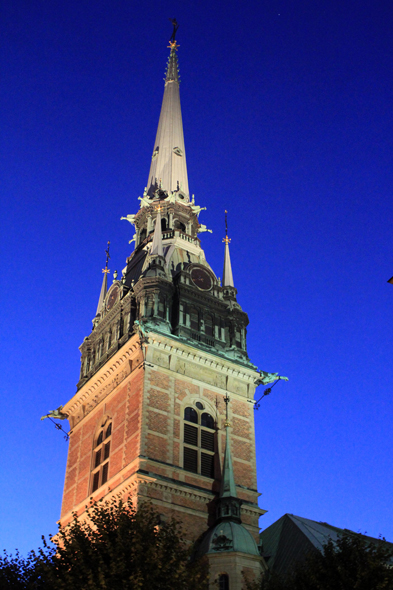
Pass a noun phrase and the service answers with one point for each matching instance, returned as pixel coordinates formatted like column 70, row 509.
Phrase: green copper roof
column 228, row 488
column 228, row 536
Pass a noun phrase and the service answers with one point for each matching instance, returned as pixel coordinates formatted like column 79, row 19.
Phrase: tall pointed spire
column 228, row 504
column 156, row 247
column 168, row 169
column 228, row 487
column 104, row 286
column 227, row 277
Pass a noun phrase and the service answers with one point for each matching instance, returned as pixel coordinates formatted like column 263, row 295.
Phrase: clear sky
column 287, row 112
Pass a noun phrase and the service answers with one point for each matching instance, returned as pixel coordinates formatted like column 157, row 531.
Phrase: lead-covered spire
column 104, row 286
column 168, row 169
column 228, row 488
column 227, row 277
column 228, row 504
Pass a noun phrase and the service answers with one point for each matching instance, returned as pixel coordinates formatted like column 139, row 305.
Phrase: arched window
column 198, row 450
column 207, row 420
column 179, row 225
column 161, row 307
column 101, row 452
column 163, row 224
column 223, row 582
column 194, row 319
column 191, row 415
column 208, row 325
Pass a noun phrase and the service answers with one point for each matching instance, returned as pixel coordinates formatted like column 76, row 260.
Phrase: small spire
column 227, row 277
column 104, row 287
column 156, row 247
column 172, row 70
column 228, row 488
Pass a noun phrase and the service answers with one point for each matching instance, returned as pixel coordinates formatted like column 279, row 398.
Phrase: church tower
column 165, row 375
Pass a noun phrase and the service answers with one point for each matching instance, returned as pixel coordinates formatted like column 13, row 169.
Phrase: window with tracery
column 101, row 452
column 199, row 441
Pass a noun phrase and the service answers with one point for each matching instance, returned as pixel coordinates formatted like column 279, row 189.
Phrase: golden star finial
column 173, row 45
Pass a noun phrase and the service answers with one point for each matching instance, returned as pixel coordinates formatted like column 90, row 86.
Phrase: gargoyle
column 202, row 228
column 196, row 209
column 129, row 218
column 266, row 378
column 57, row 414
column 145, row 201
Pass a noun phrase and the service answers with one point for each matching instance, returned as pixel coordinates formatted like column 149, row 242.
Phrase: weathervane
column 172, row 39
column 106, row 269
column 226, row 239
column 265, row 379
column 58, row 414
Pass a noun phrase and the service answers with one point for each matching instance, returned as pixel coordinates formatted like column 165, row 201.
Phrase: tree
column 349, row 563
column 117, row 547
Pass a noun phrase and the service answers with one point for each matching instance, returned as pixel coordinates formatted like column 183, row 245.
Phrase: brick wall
column 124, row 408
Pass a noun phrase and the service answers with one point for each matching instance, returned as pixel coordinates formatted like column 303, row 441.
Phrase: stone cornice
column 104, row 381
column 170, row 345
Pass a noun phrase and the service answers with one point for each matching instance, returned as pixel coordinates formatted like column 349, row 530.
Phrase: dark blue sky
column 287, row 112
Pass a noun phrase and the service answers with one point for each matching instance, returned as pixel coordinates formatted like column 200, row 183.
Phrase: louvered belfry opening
column 199, row 442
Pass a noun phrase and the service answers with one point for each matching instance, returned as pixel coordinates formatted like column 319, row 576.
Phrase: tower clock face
column 113, row 297
column 201, row 278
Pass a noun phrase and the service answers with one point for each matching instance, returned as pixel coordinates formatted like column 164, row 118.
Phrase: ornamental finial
column 106, row 269
column 175, row 27
column 226, row 400
column 226, row 239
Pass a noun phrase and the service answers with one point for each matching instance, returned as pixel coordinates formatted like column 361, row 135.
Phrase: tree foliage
column 350, row 563
column 116, row 547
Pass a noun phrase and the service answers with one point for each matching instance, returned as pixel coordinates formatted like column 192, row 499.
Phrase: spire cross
column 226, row 239
column 106, row 269
column 159, row 208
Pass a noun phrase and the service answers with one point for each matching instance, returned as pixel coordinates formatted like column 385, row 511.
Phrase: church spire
column 228, row 488
column 228, row 504
column 227, row 278
column 104, row 286
column 168, row 169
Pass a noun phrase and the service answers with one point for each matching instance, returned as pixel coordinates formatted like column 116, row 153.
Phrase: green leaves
column 350, row 563
column 114, row 547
